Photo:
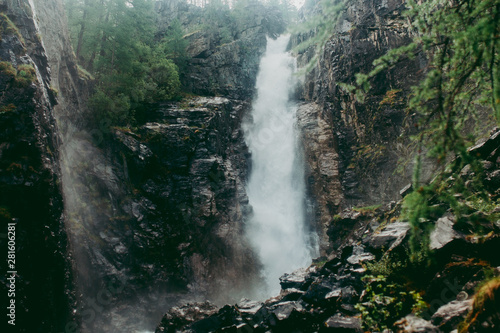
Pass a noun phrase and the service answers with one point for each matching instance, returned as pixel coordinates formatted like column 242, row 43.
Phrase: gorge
column 169, row 162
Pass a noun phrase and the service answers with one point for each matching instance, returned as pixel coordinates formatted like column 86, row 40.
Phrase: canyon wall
column 360, row 153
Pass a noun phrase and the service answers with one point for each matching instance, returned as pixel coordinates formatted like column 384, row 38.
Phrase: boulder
column 180, row 316
column 296, row 279
column 340, row 323
column 249, row 307
column 485, row 147
column 283, row 310
column 390, row 236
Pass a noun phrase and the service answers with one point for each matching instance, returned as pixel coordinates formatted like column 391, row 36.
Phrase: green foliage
column 22, row 77
column 164, row 80
column 319, row 29
column 115, row 45
column 387, row 302
column 174, row 45
column 387, row 266
column 110, row 109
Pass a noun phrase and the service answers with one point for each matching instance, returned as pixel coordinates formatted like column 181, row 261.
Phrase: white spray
column 276, row 188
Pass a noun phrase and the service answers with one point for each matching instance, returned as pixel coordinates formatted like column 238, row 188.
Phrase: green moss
column 22, row 77
column 367, row 209
column 7, row 69
column 26, row 75
column 7, row 27
column 7, row 108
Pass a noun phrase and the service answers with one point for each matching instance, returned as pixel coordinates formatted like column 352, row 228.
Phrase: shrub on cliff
column 115, row 41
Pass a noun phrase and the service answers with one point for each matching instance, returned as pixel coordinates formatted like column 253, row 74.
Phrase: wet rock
column 334, row 294
column 283, row 310
column 322, row 172
column 340, row 323
column 134, row 145
column 406, row 190
column 317, row 292
column 223, row 60
column 249, row 307
column 291, row 294
column 178, row 317
column 30, row 170
column 486, row 146
column 296, row 279
column 359, row 255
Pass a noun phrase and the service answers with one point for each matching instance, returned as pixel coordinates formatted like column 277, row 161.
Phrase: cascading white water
column 276, row 188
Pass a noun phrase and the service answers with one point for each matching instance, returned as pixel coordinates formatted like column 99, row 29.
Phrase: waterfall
column 276, row 188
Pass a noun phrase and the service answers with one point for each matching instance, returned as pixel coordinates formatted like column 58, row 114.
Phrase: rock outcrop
column 369, row 137
column 322, row 168
column 160, row 210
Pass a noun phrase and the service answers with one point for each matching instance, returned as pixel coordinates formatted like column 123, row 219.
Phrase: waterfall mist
column 276, row 188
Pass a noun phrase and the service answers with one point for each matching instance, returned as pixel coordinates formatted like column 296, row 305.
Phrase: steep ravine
column 152, row 215
column 117, row 226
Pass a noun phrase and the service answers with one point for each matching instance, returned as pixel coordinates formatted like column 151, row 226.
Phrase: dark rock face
column 188, row 172
column 29, row 176
column 223, row 64
column 159, row 211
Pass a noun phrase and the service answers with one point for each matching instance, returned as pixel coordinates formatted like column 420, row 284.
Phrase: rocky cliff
column 30, row 176
column 362, row 143
column 224, row 50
